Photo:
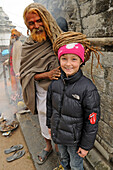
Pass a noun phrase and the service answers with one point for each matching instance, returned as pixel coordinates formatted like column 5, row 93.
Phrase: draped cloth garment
column 35, row 58
column 16, row 55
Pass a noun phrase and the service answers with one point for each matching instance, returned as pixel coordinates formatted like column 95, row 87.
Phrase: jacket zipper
column 61, row 105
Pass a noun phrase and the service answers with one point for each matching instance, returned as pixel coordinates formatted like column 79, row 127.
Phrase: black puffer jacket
column 71, row 105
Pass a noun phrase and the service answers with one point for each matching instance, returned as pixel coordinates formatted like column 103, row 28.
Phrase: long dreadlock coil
column 77, row 37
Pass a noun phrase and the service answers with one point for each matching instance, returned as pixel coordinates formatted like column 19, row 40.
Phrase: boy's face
column 70, row 64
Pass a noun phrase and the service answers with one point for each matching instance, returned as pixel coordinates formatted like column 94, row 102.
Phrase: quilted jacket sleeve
column 91, row 107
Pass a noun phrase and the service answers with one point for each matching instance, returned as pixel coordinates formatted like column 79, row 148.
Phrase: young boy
column 73, row 108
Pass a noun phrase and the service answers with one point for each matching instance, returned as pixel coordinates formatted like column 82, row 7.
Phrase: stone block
column 102, row 113
column 107, row 59
column 98, row 138
column 106, row 146
column 102, row 166
column 101, row 7
column 93, row 158
column 93, row 25
column 109, row 89
column 110, row 76
column 97, row 161
column 100, row 84
column 110, row 149
column 111, row 120
column 108, row 15
column 106, row 132
column 83, row 1
column 92, row 22
column 98, row 72
column 111, row 3
column 85, row 9
column 107, row 117
column 101, row 150
column 107, row 102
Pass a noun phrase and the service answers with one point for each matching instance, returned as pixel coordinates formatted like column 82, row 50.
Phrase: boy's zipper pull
column 64, row 81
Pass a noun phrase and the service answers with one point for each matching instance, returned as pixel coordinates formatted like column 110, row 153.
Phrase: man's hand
column 18, row 75
column 54, row 74
column 82, row 153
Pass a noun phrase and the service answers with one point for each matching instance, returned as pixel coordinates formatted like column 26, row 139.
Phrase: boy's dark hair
column 62, row 23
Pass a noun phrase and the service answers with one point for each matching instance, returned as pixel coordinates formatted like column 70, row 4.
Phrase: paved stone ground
column 25, row 162
column 34, row 140
column 8, row 110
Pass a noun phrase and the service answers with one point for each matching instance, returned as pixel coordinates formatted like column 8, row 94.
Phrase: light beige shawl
column 35, row 58
column 16, row 55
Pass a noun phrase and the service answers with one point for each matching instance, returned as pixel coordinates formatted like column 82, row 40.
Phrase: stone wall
column 104, row 82
column 95, row 19
column 92, row 17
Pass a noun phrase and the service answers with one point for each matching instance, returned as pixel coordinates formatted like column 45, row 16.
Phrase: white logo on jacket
column 76, row 96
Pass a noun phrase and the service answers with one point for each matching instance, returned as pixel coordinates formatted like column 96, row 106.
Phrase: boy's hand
column 82, row 153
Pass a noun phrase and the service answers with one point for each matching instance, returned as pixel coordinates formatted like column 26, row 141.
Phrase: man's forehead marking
column 29, row 16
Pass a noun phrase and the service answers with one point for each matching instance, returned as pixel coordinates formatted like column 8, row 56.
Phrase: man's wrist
column 41, row 76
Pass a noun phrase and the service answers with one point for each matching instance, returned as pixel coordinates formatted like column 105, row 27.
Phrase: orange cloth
column 13, row 83
column 15, row 32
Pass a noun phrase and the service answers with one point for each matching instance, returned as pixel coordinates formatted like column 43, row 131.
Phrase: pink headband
column 73, row 48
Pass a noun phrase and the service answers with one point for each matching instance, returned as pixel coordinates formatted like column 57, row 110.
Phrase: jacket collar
column 73, row 78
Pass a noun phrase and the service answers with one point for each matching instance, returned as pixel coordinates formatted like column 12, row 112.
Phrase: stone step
column 95, row 161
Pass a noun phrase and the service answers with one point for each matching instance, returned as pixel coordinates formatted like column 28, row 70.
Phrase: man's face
column 13, row 38
column 35, row 24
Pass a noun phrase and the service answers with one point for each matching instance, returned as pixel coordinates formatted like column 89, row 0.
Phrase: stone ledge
column 101, row 41
column 96, row 161
column 102, row 150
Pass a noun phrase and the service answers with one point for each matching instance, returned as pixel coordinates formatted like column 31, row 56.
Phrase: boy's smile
column 70, row 64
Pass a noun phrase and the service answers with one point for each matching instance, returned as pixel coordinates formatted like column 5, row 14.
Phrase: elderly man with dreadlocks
column 39, row 65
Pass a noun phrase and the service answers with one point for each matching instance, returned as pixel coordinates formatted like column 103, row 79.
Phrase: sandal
column 13, row 149
column 15, row 156
column 44, row 155
column 9, row 126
